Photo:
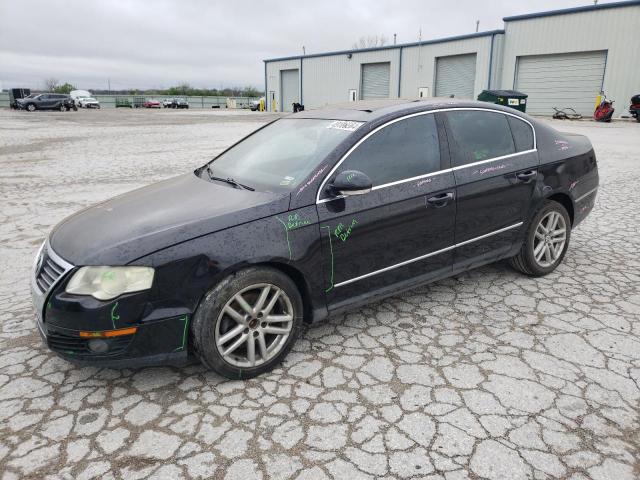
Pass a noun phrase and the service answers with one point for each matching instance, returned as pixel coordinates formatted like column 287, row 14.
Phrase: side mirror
column 350, row 182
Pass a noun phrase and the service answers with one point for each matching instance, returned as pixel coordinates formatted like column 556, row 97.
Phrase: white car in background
column 83, row 99
column 87, row 102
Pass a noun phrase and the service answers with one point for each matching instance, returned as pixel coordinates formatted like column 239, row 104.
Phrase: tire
column 31, row 107
column 62, row 108
column 533, row 259
column 211, row 323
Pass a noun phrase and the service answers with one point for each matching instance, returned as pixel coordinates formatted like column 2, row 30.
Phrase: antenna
column 304, row 50
column 395, row 35
column 478, row 23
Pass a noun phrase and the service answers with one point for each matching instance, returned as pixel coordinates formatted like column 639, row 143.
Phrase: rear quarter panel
column 567, row 166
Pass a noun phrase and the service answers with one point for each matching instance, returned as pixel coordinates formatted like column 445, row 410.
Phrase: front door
column 403, row 228
column 495, row 165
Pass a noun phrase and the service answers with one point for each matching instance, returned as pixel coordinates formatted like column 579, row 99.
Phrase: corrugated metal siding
column 455, row 75
column 615, row 30
column 290, row 85
column 327, row 80
column 562, row 80
column 419, row 63
column 273, row 81
column 375, row 80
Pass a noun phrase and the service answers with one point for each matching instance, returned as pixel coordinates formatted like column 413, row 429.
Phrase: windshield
column 281, row 155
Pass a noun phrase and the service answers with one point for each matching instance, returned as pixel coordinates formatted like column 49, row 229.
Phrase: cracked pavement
column 489, row 374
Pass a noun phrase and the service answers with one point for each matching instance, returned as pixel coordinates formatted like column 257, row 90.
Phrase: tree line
column 184, row 89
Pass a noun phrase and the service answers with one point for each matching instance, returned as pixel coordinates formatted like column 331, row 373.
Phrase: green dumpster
column 508, row 98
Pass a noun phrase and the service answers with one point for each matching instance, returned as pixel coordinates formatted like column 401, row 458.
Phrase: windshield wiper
column 228, row 180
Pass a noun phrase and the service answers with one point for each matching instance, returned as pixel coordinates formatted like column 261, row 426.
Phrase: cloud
column 144, row 44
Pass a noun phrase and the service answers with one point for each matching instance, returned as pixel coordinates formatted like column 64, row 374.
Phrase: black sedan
column 310, row 215
column 47, row 101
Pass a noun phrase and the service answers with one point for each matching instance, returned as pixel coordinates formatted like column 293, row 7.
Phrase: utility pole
column 304, row 50
column 109, row 85
column 395, row 35
column 478, row 24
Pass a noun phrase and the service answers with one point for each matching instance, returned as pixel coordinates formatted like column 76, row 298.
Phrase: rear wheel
column 247, row 324
column 546, row 242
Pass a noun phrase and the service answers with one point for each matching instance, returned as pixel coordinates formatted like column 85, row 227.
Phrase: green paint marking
column 114, row 317
column 481, row 154
column 109, row 275
column 286, row 231
column 294, row 221
column 331, row 251
column 343, row 232
column 349, row 177
column 184, row 319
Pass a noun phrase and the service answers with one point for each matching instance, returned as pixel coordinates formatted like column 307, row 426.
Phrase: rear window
column 522, row 134
column 479, row 135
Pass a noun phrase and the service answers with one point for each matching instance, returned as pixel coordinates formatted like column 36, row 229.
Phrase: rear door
column 495, row 163
column 403, row 228
column 45, row 101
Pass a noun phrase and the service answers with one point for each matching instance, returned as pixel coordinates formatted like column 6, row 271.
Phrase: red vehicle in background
column 153, row 103
column 604, row 111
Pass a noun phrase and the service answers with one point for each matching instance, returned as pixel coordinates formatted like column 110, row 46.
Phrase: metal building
column 561, row 58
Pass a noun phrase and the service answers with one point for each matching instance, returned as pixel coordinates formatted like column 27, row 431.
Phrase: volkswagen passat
column 308, row 216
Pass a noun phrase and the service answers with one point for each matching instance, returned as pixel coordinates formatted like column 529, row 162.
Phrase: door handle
column 440, row 200
column 527, row 176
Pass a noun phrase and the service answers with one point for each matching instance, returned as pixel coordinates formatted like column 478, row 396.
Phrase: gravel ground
column 486, row 375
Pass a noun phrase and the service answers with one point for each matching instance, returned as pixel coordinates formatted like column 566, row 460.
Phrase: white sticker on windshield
column 345, row 125
column 287, row 180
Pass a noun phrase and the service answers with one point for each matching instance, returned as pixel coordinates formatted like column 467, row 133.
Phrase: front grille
column 48, row 273
column 72, row 345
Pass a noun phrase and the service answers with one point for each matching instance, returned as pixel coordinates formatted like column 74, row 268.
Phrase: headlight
column 105, row 283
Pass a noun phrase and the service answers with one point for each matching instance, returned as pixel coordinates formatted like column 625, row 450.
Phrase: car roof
column 370, row 110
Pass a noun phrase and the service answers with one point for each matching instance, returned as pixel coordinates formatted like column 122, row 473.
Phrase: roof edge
column 391, row 47
column 565, row 11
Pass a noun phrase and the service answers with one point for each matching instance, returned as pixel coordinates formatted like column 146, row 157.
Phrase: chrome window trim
column 431, row 254
column 428, row 112
column 582, row 197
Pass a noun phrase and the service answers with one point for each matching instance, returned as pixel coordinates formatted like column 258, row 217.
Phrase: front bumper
column 161, row 335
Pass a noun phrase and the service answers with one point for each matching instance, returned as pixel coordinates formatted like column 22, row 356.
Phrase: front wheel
column 247, row 324
column 546, row 242
column 62, row 108
column 31, row 107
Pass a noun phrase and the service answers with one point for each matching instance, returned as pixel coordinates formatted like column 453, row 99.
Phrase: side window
column 407, row 148
column 522, row 134
column 479, row 135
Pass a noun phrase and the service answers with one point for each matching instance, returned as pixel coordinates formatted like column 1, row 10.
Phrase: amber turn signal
column 109, row 333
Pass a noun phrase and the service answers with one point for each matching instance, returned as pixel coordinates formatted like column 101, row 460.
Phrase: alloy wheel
column 550, row 239
column 259, row 314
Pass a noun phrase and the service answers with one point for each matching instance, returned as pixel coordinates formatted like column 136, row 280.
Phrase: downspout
column 493, row 35
column 400, row 72
column 301, row 102
column 266, row 93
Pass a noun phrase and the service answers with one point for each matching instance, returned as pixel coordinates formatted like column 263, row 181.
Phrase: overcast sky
column 208, row 43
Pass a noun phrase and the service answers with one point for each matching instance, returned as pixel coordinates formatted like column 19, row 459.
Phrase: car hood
column 137, row 223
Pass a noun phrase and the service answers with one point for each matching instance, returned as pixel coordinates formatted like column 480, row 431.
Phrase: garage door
column 290, row 87
column 375, row 80
column 456, row 75
column 564, row 80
